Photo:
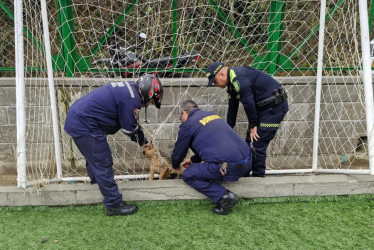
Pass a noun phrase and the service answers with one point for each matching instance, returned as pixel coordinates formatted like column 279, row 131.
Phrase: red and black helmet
column 151, row 88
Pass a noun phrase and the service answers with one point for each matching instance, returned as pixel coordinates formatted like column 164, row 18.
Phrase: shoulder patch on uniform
column 136, row 114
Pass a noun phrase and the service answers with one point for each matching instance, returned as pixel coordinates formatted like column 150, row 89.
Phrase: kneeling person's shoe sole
column 226, row 203
column 122, row 209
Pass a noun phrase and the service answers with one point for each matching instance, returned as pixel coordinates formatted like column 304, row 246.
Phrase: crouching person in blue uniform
column 264, row 101
column 220, row 154
column 104, row 111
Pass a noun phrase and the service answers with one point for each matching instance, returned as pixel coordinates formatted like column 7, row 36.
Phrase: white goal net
column 95, row 42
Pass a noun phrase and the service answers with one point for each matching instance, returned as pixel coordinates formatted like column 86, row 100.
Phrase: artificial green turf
column 273, row 223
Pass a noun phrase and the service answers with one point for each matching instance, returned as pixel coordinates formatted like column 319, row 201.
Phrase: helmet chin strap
column 146, row 115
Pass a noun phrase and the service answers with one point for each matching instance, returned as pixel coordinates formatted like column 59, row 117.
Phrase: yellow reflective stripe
column 235, row 83
column 232, row 80
column 269, row 125
column 217, row 69
column 232, row 75
column 236, row 86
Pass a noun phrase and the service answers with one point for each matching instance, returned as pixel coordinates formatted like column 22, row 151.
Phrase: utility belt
column 238, row 165
column 278, row 97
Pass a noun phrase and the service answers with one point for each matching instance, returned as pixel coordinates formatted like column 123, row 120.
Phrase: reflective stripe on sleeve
column 129, row 132
column 130, row 89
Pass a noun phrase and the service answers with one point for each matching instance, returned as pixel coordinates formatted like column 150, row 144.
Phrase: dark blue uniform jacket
column 210, row 138
column 248, row 86
column 107, row 109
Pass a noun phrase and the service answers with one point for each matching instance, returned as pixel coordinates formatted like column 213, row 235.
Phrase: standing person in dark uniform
column 104, row 111
column 225, row 155
column 265, row 104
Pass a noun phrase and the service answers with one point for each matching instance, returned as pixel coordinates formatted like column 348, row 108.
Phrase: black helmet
column 151, row 88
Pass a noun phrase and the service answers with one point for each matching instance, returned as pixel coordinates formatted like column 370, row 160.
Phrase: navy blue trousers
column 203, row 177
column 270, row 116
column 259, row 159
column 99, row 162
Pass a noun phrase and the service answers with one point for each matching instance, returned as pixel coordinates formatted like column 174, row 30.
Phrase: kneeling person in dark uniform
column 220, row 155
column 104, row 111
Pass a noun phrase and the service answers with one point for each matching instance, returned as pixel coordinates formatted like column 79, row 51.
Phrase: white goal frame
column 21, row 121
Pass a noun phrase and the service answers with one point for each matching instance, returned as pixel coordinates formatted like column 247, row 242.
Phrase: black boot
column 247, row 174
column 224, row 205
column 122, row 209
column 258, row 175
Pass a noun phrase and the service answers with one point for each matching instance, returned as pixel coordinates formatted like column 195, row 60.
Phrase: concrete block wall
column 8, row 132
column 342, row 119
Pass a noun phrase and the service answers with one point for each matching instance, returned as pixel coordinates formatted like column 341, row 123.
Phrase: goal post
column 317, row 113
column 318, row 50
column 368, row 80
column 51, row 87
column 20, row 95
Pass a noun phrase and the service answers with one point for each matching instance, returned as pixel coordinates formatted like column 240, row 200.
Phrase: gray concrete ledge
column 272, row 186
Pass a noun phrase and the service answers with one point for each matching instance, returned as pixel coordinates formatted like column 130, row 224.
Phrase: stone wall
column 342, row 119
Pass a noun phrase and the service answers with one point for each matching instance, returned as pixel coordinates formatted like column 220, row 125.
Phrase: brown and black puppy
column 159, row 165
